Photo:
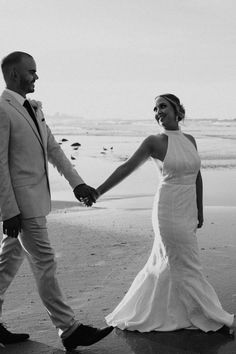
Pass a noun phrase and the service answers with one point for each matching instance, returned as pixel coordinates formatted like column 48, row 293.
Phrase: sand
column 99, row 250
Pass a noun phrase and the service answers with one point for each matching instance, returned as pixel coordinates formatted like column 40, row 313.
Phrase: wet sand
column 99, row 251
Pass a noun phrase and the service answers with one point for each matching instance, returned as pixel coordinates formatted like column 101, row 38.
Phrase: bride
column 171, row 291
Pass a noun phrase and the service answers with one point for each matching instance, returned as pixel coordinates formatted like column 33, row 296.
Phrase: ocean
column 104, row 145
column 116, row 140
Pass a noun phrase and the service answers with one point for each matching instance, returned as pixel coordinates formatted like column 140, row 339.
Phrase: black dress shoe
column 85, row 335
column 226, row 331
column 7, row 337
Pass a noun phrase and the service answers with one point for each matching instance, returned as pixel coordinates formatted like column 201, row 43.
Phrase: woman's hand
column 200, row 220
column 87, row 200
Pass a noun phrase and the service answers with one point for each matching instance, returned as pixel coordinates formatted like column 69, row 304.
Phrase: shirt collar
column 17, row 96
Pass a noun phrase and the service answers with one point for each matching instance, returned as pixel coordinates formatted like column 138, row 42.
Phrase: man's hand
column 86, row 194
column 12, row 227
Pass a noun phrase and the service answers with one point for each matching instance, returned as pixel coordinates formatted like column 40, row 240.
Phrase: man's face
column 26, row 75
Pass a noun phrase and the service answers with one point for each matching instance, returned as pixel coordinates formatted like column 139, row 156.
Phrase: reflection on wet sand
column 178, row 342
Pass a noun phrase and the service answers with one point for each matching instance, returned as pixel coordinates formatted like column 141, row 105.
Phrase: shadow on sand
column 126, row 342
column 30, row 347
column 179, row 342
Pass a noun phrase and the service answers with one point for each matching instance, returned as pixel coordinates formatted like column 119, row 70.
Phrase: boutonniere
column 37, row 105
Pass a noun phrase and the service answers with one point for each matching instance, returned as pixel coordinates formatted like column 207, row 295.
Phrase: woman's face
column 165, row 114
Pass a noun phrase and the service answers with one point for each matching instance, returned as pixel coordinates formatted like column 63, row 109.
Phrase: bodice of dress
column 182, row 162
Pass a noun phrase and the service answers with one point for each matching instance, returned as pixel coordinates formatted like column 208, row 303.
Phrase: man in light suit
column 26, row 146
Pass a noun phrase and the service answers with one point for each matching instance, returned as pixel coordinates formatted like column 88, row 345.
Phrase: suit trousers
column 33, row 242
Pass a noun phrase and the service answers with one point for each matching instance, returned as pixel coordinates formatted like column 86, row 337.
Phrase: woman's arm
column 199, row 193
column 199, row 188
column 124, row 170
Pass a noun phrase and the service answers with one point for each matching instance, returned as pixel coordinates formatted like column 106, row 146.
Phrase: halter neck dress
column 171, row 291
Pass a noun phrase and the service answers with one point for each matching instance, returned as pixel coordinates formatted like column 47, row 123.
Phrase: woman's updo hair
column 175, row 102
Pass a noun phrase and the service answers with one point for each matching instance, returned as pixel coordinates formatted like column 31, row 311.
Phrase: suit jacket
column 24, row 156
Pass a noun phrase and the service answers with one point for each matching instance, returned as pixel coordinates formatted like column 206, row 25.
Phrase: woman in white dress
column 170, row 292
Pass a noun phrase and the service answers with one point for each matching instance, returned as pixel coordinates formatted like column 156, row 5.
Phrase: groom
column 26, row 146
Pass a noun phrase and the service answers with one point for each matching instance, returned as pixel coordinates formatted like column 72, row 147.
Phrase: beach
column 99, row 250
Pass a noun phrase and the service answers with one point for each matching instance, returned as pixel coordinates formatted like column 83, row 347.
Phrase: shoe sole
column 91, row 343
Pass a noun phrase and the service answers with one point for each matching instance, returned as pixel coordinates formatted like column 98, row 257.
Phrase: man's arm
column 57, row 157
column 8, row 203
column 9, row 209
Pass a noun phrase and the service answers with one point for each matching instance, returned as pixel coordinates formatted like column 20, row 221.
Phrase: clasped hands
column 86, row 194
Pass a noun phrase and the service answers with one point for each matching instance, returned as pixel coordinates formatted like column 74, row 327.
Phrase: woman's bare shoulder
column 157, row 138
column 157, row 145
column 191, row 138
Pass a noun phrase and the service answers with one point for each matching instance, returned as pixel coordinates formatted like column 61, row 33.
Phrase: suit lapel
column 23, row 112
column 42, row 126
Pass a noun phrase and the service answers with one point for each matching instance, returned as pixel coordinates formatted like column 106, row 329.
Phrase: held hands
column 12, row 226
column 86, row 194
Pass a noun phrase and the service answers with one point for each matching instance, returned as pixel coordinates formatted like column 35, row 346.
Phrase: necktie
column 28, row 107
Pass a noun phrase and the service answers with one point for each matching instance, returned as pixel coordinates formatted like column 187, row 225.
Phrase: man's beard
column 27, row 86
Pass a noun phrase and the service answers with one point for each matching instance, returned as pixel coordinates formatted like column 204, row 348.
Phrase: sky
column 109, row 59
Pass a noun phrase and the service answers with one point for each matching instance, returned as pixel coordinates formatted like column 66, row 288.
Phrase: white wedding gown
column 171, row 292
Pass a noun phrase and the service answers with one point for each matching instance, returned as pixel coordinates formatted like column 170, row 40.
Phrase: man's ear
column 13, row 74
